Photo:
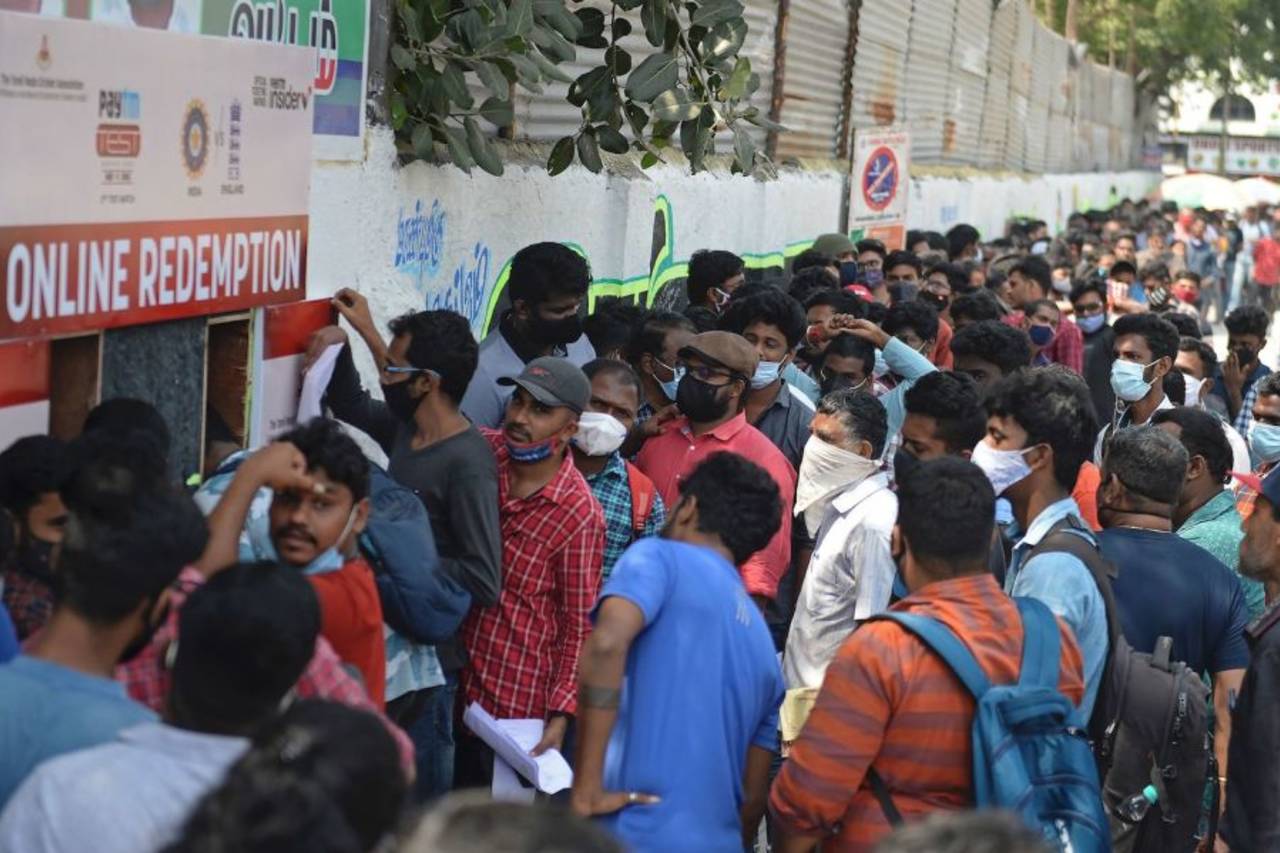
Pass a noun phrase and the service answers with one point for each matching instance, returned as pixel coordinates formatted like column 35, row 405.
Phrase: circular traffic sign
column 880, row 178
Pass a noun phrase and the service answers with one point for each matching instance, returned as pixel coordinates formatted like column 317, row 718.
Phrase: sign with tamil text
column 1245, row 155
column 147, row 175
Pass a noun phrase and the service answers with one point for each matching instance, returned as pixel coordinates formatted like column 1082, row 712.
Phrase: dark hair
column 321, row 776
column 710, row 268
column 127, row 414
column 702, row 318
column 737, row 501
column 119, row 553
column 1269, row 385
column 542, row 271
column 861, row 415
column 919, row 317
column 440, row 341
column 811, row 259
column 245, row 637
column 901, row 258
column 770, row 306
column 840, row 301
column 995, row 342
column 1188, row 275
column 613, row 367
column 1036, row 269
column 964, row 832
column 1122, row 267
column 852, row 346
column 810, row 281
column 946, row 512
column 470, row 821
column 106, row 468
column 652, row 334
column 612, row 325
column 978, row 305
column 328, row 447
column 1053, row 405
column 1161, row 335
column 1126, row 235
column 953, row 401
column 872, row 246
column 1148, row 461
column 1186, row 325
column 1206, row 353
column 1202, row 435
column 1156, row 270
column 936, row 241
column 956, row 275
column 1248, row 320
column 1035, row 305
column 30, row 468
column 960, row 238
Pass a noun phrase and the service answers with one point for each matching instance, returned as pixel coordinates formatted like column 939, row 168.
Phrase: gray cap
column 554, row 381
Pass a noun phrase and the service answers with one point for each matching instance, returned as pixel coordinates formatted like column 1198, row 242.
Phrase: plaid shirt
column 1067, row 346
column 612, row 488
column 29, row 601
column 147, row 677
column 524, row 650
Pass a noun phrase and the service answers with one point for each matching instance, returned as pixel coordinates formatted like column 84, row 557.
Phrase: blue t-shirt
column 702, row 686
column 8, row 637
column 1169, row 587
column 47, row 710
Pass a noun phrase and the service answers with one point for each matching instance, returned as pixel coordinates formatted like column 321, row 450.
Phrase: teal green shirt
column 1215, row 527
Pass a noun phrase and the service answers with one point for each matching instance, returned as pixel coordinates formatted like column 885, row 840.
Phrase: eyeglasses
column 396, row 369
column 703, row 373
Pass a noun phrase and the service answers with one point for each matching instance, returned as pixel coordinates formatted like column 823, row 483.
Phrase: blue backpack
column 1031, row 755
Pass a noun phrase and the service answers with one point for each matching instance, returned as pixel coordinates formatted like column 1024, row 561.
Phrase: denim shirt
column 1066, row 586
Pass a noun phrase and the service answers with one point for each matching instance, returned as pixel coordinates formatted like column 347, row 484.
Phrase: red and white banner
column 286, row 331
column 147, row 175
column 24, row 390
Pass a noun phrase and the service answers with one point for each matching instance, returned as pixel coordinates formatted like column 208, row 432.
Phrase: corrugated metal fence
column 978, row 83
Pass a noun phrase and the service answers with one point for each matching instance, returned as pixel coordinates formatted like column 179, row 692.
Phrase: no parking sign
column 878, row 184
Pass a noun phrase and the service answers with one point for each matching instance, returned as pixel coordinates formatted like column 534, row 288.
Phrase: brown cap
column 724, row 349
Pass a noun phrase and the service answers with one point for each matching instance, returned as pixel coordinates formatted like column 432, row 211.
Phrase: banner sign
column 1245, row 155
column 287, row 329
column 878, row 185
column 132, row 195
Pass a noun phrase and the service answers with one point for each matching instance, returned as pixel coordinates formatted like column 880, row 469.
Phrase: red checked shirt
column 147, row 676
column 1067, row 346
column 524, row 650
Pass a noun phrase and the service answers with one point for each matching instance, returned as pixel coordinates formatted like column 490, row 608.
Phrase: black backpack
column 1150, row 725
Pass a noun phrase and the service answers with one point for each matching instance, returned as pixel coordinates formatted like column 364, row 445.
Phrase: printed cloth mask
column 1089, row 325
column 1004, row 468
column 1264, row 441
column 825, row 471
column 599, row 434
column 700, row 401
column 1127, row 381
column 534, row 451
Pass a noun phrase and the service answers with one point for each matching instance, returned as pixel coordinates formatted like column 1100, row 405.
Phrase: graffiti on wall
column 465, row 295
column 420, row 241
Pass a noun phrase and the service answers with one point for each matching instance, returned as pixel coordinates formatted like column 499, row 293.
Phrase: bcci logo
column 195, row 139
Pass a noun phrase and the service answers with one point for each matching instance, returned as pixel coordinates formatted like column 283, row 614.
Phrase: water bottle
column 1135, row 808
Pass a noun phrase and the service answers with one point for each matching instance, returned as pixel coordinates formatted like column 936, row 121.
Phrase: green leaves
column 675, row 105
column 652, row 77
column 561, row 156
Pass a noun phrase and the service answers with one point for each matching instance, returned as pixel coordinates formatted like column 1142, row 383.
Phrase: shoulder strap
column 881, row 791
column 947, row 646
column 643, row 493
column 1040, row 645
column 1071, row 537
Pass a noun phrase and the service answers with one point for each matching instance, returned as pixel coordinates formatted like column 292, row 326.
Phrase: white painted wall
column 478, row 222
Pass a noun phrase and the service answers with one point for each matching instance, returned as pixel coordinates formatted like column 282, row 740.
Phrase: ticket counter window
column 229, row 354
column 75, row 383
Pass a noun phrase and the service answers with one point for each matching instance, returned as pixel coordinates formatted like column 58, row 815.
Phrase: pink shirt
column 668, row 457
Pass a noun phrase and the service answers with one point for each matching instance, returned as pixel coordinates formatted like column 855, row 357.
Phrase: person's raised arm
column 604, row 660
column 345, row 396
column 354, row 308
column 281, row 467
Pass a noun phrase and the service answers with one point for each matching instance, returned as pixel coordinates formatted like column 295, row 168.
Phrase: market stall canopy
column 1203, row 190
column 1260, row 190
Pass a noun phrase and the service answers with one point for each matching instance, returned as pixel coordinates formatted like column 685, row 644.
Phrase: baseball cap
column 554, row 381
column 834, row 245
column 1268, row 486
column 861, row 291
column 730, row 351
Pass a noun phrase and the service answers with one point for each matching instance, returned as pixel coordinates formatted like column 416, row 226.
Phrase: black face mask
column 140, row 642
column 903, row 464
column 1245, row 355
column 401, row 403
column 34, row 559
column 850, row 271
column 556, row 333
column 937, row 300
column 700, row 401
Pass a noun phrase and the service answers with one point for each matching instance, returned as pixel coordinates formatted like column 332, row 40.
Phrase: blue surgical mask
column 1089, row 325
column 1127, row 380
column 882, row 366
column 326, row 561
column 1264, row 441
column 766, row 373
column 670, row 387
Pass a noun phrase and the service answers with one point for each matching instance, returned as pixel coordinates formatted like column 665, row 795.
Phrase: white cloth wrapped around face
column 825, row 471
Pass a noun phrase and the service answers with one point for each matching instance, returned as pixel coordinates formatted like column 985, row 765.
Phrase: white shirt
column 1125, row 421
column 132, row 795
column 849, row 579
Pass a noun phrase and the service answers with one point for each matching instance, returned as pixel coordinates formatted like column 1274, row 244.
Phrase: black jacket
column 1252, row 820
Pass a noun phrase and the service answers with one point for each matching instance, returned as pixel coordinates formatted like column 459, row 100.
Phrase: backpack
column 643, row 494
column 1030, row 753
column 1150, row 723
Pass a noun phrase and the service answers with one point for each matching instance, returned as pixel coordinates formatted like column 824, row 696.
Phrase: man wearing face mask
column 1197, row 363
column 29, row 492
column 1089, row 309
column 1039, row 425
column 773, row 323
column 718, row 367
column 524, row 651
column 1041, row 320
column 1264, row 439
column 119, row 555
column 1239, row 374
column 844, row 501
column 1030, row 280
column 1145, row 348
column 632, row 507
column 314, row 529
column 714, row 274
column 547, row 285
column 653, row 357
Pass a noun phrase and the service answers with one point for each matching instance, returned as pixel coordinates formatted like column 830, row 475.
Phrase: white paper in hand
column 511, row 740
column 315, row 382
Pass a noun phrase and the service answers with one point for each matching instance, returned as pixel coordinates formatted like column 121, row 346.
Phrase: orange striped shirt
column 888, row 700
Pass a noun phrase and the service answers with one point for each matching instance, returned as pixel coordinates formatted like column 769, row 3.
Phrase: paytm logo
column 119, row 104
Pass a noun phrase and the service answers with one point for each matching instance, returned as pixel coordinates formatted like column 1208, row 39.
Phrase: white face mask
column 825, row 471
column 599, row 434
column 1193, row 387
column 1004, row 468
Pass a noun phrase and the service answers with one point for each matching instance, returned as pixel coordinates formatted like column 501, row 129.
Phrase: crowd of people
column 977, row 536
